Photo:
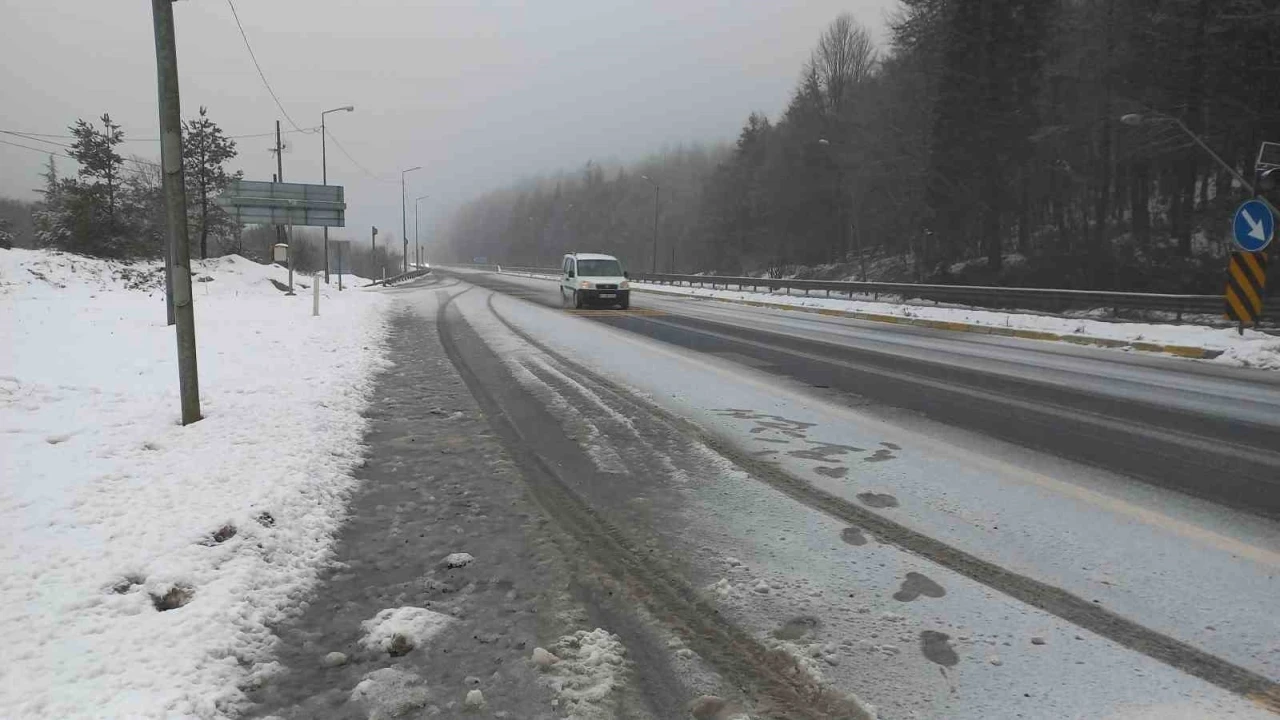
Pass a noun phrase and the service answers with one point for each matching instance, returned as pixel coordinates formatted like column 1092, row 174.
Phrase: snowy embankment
column 1252, row 349
column 144, row 561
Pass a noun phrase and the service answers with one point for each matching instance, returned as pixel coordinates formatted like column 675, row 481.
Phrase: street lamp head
column 823, row 141
column 348, row 108
column 1132, row 119
column 645, row 177
column 418, row 167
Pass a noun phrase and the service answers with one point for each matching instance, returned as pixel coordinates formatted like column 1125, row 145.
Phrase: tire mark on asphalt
column 1087, row 615
column 784, row 689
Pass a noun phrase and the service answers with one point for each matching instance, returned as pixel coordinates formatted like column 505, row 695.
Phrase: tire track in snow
column 1053, row 600
column 784, row 689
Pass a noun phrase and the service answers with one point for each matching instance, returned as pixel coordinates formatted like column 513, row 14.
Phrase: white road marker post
column 290, row 260
column 315, row 295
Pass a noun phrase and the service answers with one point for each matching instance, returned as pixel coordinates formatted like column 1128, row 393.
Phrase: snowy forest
column 1018, row 142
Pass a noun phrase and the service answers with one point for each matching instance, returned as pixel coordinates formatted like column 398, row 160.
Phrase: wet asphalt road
column 1208, row 431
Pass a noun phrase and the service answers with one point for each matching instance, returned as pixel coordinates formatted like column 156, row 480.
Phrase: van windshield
column 599, row 268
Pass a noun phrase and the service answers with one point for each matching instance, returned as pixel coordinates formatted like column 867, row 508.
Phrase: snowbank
column 400, row 630
column 589, row 667
column 144, row 561
column 1253, row 349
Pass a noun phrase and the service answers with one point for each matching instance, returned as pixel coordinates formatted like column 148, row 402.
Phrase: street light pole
column 324, row 173
column 404, row 223
column 417, row 244
column 655, row 222
column 857, row 239
column 1134, row 119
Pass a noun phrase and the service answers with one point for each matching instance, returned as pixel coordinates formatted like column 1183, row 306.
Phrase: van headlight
column 585, row 285
column 624, row 285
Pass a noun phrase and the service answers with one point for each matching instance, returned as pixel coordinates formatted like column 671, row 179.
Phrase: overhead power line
column 48, row 151
column 32, row 135
column 362, row 168
column 261, row 74
column 42, row 151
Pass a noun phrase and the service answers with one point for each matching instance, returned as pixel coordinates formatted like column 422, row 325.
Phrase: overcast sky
column 478, row 93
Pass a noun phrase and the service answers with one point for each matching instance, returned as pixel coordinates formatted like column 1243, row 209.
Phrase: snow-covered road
column 1170, row 567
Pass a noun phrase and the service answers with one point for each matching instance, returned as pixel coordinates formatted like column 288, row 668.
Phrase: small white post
column 290, row 260
column 315, row 295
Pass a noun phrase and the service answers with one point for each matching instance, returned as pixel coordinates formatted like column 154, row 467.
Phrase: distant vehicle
column 593, row 279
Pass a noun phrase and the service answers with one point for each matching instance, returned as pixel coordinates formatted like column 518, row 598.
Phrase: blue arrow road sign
column 1253, row 226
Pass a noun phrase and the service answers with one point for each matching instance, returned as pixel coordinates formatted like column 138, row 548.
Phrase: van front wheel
column 577, row 300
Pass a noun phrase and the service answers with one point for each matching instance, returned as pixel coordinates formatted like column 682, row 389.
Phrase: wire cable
column 362, row 168
column 32, row 136
column 47, row 151
column 261, row 74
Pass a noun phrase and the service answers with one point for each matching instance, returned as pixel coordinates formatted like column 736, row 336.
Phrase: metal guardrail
column 1042, row 299
column 416, row 272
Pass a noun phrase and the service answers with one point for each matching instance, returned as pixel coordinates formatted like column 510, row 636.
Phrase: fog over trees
column 983, row 143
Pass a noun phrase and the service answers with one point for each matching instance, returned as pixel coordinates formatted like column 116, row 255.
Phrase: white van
column 592, row 279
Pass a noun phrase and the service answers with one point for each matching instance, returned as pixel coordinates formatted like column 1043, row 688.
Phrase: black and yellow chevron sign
column 1246, row 287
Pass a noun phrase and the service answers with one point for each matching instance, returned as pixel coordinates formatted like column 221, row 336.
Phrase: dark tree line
column 984, row 144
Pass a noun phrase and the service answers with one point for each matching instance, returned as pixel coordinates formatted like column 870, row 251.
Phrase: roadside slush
column 437, row 483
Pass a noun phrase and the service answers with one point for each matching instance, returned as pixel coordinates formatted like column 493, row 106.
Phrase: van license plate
column 608, row 295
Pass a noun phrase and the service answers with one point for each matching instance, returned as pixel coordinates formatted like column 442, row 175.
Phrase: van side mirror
column 626, row 274
column 571, row 274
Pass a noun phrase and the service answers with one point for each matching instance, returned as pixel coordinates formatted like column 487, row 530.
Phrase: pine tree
column 205, row 149
column 80, row 214
column 99, row 162
column 52, row 218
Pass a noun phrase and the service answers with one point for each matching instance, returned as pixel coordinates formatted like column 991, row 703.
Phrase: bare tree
column 844, row 58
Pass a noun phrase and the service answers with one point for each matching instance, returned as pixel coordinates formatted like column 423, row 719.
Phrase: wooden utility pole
column 279, row 154
column 175, row 202
column 279, row 175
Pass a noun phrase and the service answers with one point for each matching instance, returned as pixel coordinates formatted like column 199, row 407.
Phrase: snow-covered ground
column 1252, row 349
column 112, row 509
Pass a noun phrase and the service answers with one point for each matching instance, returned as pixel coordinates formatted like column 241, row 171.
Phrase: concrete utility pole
column 175, row 202
column 168, row 282
column 404, row 221
column 324, row 174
